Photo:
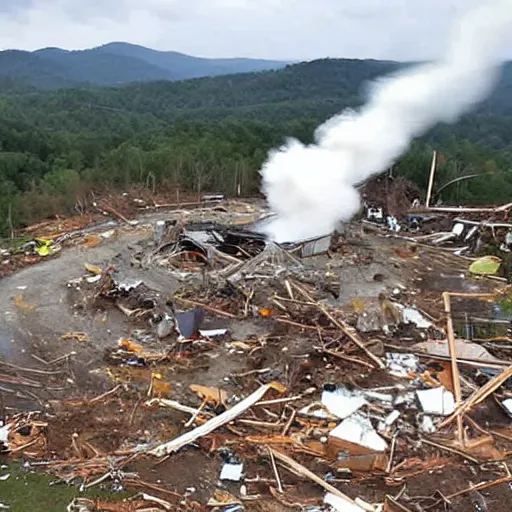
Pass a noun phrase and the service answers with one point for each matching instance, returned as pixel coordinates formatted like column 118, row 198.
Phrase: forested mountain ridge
column 115, row 64
column 314, row 90
column 56, row 147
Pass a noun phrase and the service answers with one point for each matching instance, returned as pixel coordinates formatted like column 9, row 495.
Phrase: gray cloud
column 287, row 29
column 13, row 8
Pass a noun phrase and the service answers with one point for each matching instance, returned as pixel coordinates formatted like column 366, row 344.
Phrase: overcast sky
column 277, row 29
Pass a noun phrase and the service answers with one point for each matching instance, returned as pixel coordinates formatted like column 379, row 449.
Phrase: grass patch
column 29, row 491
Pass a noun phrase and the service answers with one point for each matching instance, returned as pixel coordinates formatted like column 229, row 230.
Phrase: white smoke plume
column 312, row 187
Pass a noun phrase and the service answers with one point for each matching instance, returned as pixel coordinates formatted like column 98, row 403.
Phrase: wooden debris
column 205, row 307
column 93, row 269
column 216, row 396
column 479, row 396
column 171, row 404
column 19, row 381
column 276, row 472
column 348, row 331
column 120, row 216
column 480, row 487
column 22, row 305
column 102, row 397
column 300, row 470
column 277, row 292
column 81, row 337
column 211, row 425
column 455, row 368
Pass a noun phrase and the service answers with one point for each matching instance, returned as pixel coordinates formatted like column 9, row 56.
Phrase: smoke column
column 312, row 188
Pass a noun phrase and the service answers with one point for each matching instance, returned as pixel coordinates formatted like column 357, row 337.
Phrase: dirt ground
column 38, row 307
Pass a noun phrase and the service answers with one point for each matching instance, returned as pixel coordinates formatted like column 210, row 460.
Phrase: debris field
column 181, row 356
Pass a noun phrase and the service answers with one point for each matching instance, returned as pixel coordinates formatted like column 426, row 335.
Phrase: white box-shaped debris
column 437, row 401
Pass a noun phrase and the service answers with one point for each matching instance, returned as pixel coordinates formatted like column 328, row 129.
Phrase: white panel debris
column 232, row 472
column 437, row 401
column 358, row 430
column 4, row 434
column 413, row 316
column 402, row 365
column 341, row 505
column 507, row 404
column 427, row 425
column 342, row 402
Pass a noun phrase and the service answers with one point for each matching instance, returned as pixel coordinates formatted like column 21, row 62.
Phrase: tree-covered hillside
column 56, row 147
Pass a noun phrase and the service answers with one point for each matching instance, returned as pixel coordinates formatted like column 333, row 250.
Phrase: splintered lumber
column 276, row 472
column 163, row 402
column 342, row 326
column 300, row 470
column 211, row 425
column 461, row 209
column 481, row 486
column 480, row 395
column 455, row 369
column 205, row 307
column 19, row 381
column 431, row 179
column 114, row 212
column 395, row 504
column 105, row 395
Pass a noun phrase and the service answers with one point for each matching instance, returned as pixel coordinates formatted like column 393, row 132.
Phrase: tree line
column 44, row 174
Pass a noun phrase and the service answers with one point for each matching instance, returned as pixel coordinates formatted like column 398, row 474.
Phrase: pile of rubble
column 484, row 232
column 89, row 229
column 308, row 374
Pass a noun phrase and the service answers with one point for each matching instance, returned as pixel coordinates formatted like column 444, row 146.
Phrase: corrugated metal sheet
column 302, row 248
column 312, row 247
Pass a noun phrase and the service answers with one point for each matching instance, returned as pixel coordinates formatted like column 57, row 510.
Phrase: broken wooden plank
column 211, row 425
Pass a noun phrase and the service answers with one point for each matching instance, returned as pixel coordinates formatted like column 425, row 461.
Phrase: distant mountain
column 29, row 69
column 184, row 66
column 114, row 64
